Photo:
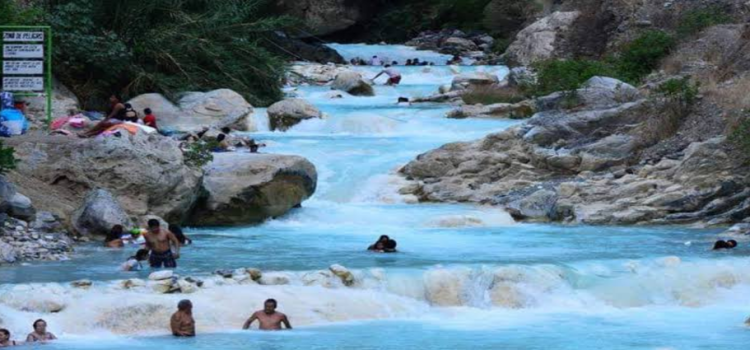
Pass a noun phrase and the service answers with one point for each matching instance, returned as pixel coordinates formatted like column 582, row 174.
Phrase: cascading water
column 466, row 276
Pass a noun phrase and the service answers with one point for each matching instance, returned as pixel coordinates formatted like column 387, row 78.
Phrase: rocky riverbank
column 610, row 153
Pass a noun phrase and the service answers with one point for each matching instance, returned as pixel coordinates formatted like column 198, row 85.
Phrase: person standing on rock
column 40, row 334
column 269, row 319
column 182, row 322
column 161, row 242
column 394, row 77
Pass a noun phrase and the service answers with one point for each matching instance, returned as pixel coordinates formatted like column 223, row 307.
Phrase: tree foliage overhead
column 166, row 46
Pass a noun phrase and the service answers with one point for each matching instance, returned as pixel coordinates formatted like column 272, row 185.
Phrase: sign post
column 27, row 62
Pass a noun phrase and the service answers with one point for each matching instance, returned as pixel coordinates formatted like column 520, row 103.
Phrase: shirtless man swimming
column 269, row 319
column 161, row 242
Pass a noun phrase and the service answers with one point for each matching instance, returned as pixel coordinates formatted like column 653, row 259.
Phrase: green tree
column 167, row 46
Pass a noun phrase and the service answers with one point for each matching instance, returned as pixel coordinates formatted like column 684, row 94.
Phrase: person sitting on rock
column 177, row 231
column 161, row 242
column 149, row 119
column 5, row 339
column 394, row 77
column 115, row 115
column 40, row 334
column 379, row 246
column 721, row 244
column 182, row 322
column 130, row 114
column 134, row 262
column 269, row 319
column 114, row 238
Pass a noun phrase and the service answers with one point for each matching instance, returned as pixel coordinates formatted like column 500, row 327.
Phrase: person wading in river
column 40, row 333
column 161, row 242
column 182, row 322
column 269, row 319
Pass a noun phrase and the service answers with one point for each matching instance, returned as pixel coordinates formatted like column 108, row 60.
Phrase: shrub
column 676, row 98
column 740, row 135
column 639, row 57
column 13, row 14
column 7, row 158
column 694, row 21
column 501, row 45
column 681, row 92
column 199, row 153
column 491, row 95
column 167, row 46
column 566, row 75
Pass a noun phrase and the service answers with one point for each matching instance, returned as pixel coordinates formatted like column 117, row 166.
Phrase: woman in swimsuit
column 5, row 339
column 40, row 333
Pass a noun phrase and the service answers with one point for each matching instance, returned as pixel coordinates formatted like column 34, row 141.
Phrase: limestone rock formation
column 582, row 165
column 473, row 80
column 322, row 17
column 249, row 188
column 353, row 83
column 285, row 114
column 98, row 213
column 198, row 110
column 14, row 203
column 541, row 40
column 146, row 173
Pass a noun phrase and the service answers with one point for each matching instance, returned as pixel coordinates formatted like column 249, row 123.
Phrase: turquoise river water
column 466, row 277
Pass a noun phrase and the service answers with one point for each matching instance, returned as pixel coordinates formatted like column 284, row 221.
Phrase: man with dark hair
column 161, row 242
column 182, row 322
column 269, row 319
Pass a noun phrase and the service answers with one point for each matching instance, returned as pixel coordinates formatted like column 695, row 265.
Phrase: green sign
column 27, row 62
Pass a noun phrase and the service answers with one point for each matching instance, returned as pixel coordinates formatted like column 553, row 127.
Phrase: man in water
column 394, row 77
column 375, row 61
column 161, row 242
column 182, row 322
column 269, row 319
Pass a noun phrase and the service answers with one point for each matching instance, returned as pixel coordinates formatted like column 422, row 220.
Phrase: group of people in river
column 38, row 335
column 377, row 61
column 182, row 322
column 161, row 247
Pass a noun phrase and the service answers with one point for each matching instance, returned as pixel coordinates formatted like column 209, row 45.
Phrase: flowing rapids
column 466, row 277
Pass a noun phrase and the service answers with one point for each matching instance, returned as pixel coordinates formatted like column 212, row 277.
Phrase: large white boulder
column 353, row 83
column 541, row 40
column 285, row 114
column 245, row 188
column 196, row 111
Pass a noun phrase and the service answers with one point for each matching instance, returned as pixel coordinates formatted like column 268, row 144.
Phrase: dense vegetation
column 165, row 46
column 634, row 61
column 401, row 20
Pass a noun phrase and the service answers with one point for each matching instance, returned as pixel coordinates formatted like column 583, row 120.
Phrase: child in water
column 134, row 262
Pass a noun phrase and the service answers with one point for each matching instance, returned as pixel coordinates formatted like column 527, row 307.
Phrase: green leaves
column 639, row 57
column 7, row 158
column 167, row 46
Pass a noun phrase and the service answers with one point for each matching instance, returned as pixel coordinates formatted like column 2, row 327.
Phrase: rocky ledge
column 42, row 239
column 586, row 164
